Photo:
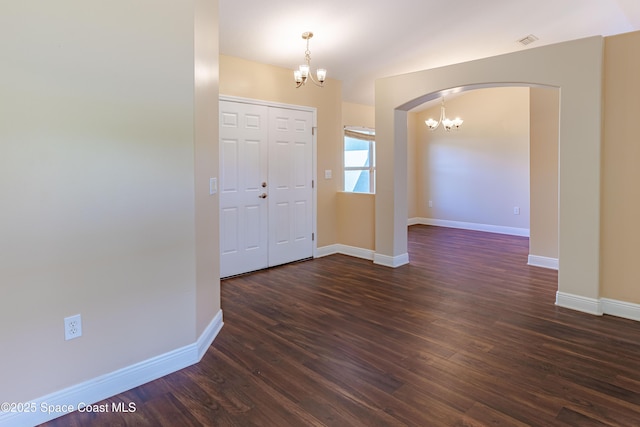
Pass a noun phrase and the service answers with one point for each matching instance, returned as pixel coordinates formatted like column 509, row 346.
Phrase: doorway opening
column 497, row 173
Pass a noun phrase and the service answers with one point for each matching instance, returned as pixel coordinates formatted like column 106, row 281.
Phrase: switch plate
column 213, row 186
column 430, row 204
column 327, row 174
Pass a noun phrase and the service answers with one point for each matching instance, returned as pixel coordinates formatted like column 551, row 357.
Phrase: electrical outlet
column 516, row 210
column 430, row 204
column 72, row 327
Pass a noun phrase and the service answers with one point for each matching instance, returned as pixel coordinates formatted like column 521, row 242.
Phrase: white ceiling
column 358, row 41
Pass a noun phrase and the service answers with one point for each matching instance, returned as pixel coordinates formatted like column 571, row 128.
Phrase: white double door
column 266, row 186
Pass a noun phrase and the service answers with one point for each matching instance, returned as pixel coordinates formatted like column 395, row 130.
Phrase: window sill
column 353, row 192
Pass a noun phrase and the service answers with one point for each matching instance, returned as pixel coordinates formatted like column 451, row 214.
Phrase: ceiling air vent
column 527, row 40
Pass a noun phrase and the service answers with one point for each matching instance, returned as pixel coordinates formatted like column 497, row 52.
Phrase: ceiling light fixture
column 447, row 123
column 303, row 74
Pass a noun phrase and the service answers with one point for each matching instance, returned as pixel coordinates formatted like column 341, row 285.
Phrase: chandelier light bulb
column 432, row 124
column 322, row 74
column 304, row 70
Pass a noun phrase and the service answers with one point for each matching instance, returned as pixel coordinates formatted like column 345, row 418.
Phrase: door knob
column 264, row 184
column 263, row 196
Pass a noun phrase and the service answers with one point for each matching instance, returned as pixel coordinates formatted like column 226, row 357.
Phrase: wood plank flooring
column 465, row 335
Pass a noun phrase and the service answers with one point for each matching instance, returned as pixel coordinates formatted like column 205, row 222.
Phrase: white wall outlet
column 72, row 327
column 327, row 174
column 430, row 204
column 516, row 210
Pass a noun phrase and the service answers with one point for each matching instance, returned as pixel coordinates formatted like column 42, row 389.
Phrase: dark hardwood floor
column 465, row 335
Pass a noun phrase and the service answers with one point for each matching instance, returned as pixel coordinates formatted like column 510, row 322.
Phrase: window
column 359, row 160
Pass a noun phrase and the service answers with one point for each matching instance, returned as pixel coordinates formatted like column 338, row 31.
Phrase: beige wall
column 576, row 68
column 356, row 220
column 621, row 173
column 544, row 106
column 414, row 164
column 479, row 173
column 206, row 162
column 358, row 115
column 97, row 186
column 253, row 80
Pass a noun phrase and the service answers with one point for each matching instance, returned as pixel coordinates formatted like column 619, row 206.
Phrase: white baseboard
column 612, row 307
column 353, row 251
column 415, row 221
column 514, row 231
column 391, row 261
column 323, row 251
column 105, row 386
column 623, row 309
column 579, row 303
column 542, row 261
column 368, row 254
column 345, row 250
column 209, row 335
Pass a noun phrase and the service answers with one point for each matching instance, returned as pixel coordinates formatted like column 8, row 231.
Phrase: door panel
column 291, row 191
column 300, row 210
column 243, row 167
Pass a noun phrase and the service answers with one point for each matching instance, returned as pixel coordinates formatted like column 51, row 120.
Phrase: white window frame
column 367, row 135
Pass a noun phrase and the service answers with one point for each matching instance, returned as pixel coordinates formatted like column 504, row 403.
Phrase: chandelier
column 303, row 74
column 447, row 123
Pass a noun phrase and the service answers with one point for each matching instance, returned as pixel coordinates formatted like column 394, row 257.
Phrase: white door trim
column 314, row 162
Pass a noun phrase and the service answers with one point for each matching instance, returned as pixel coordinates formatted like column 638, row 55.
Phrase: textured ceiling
column 359, row 41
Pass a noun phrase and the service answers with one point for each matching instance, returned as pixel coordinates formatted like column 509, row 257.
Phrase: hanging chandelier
column 303, row 73
column 447, row 123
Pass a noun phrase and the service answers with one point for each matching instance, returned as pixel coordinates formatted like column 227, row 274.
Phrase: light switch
column 327, row 174
column 213, row 186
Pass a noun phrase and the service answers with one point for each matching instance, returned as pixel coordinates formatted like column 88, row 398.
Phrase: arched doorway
column 573, row 67
column 497, row 173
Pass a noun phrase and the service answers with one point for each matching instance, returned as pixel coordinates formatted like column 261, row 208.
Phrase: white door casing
column 267, row 215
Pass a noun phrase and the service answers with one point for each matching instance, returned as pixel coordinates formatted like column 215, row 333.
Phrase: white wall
column 479, row 173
